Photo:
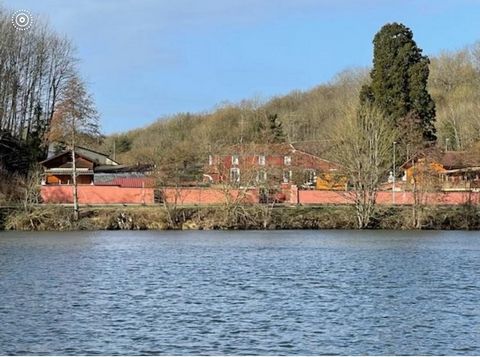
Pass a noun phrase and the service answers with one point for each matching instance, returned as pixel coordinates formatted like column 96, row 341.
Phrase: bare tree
column 34, row 68
column 363, row 147
column 455, row 86
column 75, row 118
column 424, row 180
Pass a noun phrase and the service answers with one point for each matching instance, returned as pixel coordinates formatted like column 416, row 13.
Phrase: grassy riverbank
column 57, row 218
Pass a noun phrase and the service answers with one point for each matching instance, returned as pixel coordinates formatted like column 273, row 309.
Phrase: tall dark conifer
column 399, row 79
column 275, row 130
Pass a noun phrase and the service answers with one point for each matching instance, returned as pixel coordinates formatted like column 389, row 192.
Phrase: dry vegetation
column 213, row 218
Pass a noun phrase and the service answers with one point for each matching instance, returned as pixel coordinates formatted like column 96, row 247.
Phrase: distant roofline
column 79, row 154
column 313, row 155
column 96, row 152
column 428, row 152
column 288, row 146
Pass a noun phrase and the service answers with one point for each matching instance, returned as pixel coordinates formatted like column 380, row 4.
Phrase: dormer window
column 287, row 160
column 234, row 159
column 261, row 160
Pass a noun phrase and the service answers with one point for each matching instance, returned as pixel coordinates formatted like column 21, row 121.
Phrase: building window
column 262, row 176
column 310, row 177
column 234, row 159
column 261, row 160
column 287, row 176
column 287, row 160
column 235, row 175
column 210, row 160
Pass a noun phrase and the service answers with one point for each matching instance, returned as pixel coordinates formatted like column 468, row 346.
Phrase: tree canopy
column 399, row 79
column 75, row 119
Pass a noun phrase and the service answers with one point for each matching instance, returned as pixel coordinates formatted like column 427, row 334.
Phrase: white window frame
column 287, row 176
column 235, row 160
column 235, row 178
column 287, row 160
column 312, row 176
column 262, row 160
column 262, row 176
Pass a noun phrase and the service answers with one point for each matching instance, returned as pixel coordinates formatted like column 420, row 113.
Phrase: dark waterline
column 284, row 292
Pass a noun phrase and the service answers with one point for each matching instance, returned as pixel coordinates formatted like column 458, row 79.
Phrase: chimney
column 51, row 150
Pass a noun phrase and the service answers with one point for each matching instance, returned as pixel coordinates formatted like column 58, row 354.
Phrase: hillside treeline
column 35, row 66
column 182, row 142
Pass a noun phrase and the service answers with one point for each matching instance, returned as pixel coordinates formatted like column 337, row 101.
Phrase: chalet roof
column 78, row 163
column 459, row 160
column 463, row 170
column 123, row 168
column 450, row 160
column 432, row 153
column 88, row 154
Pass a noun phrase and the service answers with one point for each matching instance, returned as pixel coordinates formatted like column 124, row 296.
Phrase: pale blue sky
column 148, row 58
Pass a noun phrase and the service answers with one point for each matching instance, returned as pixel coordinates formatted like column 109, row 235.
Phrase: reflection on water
column 296, row 292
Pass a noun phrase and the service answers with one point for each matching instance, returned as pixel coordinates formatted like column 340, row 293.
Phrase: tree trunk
column 415, row 219
column 74, row 181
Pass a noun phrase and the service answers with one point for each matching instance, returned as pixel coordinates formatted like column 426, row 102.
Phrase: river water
column 283, row 292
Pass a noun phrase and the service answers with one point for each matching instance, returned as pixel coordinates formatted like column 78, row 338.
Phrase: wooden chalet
column 93, row 168
column 446, row 170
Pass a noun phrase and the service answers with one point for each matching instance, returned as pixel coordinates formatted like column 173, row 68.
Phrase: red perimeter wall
column 385, row 197
column 205, row 196
column 89, row 194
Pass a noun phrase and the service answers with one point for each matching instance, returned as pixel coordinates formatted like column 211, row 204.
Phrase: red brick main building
column 269, row 164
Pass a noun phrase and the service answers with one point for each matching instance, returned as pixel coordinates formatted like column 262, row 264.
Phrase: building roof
column 134, row 182
column 88, row 154
column 463, row 170
column 255, row 149
column 459, row 160
column 450, row 160
column 317, row 148
column 123, row 168
column 281, row 149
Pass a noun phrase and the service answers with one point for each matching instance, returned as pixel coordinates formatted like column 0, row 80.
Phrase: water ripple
column 267, row 293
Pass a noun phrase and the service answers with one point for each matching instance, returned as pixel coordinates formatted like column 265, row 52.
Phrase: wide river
column 284, row 292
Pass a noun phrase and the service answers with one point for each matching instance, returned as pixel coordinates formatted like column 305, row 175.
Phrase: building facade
column 92, row 168
column 100, row 180
column 446, row 171
column 271, row 165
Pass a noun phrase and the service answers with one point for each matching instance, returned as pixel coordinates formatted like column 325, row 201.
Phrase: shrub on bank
column 59, row 218
column 50, row 218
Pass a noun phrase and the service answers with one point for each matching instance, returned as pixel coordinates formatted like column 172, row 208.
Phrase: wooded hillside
column 35, row 66
column 184, row 140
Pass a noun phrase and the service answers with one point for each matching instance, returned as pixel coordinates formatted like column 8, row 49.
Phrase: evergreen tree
column 267, row 128
column 399, row 79
column 275, row 130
